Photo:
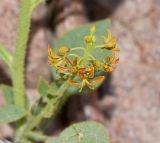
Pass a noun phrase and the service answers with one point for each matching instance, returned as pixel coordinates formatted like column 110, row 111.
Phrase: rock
column 33, row 96
column 37, row 58
column 8, row 26
column 135, row 118
column 131, row 10
column 9, row 13
column 146, row 31
column 129, row 51
column 6, row 131
column 69, row 15
column 135, row 113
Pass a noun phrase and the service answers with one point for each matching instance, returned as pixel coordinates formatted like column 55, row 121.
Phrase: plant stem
column 77, row 48
column 56, row 102
column 37, row 136
column 33, row 121
column 19, row 57
column 101, row 46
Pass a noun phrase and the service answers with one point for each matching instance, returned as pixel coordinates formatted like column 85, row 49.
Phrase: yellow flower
column 80, row 70
column 86, row 74
column 72, row 82
column 54, row 60
column 61, row 69
column 98, row 64
column 93, row 29
column 108, row 68
column 110, row 63
column 110, row 58
column 98, row 79
column 87, row 77
column 110, row 42
column 72, row 66
column 90, row 39
column 85, row 82
column 63, row 50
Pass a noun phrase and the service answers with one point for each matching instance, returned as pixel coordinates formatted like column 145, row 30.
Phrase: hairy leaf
column 11, row 113
column 84, row 132
column 43, row 87
column 8, row 93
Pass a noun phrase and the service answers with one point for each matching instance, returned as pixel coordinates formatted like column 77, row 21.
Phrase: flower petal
column 91, row 72
column 67, row 61
column 75, row 61
column 70, row 81
column 82, row 85
column 98, row 79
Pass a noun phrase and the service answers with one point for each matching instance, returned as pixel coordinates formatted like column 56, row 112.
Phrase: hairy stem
column 57, row 102
column 33, row 121
column 19, row 57
column 36, row 136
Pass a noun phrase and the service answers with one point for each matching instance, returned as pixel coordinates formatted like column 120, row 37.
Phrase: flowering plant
column 78, row 62
column 81, row 69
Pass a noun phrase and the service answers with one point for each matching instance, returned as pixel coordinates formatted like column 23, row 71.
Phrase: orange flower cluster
column 80, row 71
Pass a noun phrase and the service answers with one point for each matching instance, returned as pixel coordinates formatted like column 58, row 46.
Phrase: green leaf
column 11, row 113
column 5, row 55
column 53, row 140
column 43, row 87
column 53, row 89
column 84, row 132
column 75, row 37
column 8, row 93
